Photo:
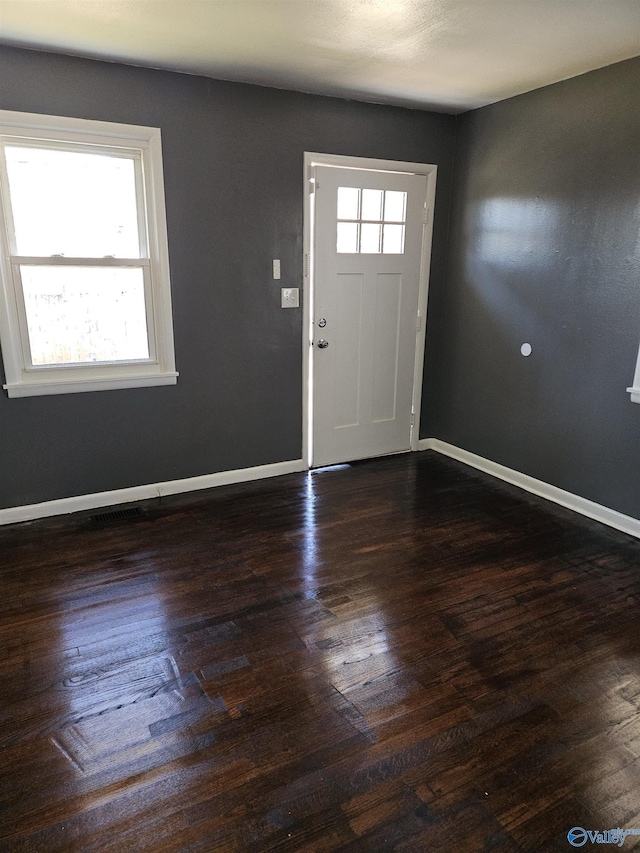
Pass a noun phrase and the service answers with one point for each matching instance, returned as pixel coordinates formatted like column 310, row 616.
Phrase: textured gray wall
column 544, row 248
column 233, row 158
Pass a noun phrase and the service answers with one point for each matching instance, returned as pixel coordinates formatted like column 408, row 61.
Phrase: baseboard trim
column 610, row 517
column 13, row 515
column 64, row 506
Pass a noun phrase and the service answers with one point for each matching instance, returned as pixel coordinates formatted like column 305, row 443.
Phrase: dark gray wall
column 233, row 159
column 544, row 248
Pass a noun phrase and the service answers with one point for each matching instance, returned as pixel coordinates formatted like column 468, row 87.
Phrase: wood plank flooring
column 398, row 655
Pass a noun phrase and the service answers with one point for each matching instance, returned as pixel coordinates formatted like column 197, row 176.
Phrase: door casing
column 338, row 160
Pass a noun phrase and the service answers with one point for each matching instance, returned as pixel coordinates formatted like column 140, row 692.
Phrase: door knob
column 322, row 344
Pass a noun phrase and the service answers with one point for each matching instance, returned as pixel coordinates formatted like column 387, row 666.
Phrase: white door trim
column 311, row 159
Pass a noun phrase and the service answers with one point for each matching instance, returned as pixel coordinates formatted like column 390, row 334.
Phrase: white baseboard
column 29, row 512
column 63, row 506
column 626, row 523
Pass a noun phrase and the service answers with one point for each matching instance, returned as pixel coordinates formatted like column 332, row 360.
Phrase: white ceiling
column 448, row 55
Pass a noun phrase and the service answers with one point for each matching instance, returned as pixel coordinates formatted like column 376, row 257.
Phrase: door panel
column 387, row 339
column 367, row 257
column 346, row 324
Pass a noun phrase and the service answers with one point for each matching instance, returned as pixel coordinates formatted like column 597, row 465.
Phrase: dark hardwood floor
column 399, row 655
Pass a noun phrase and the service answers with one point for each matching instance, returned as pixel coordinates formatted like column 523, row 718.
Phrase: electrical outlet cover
column 290, row 297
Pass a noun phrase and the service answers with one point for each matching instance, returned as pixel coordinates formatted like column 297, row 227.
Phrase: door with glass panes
column 367, row 252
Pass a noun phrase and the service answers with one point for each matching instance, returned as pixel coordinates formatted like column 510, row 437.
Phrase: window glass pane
column 394, row 206
column 79, row 315
column 348, row 202
column 73, row 203
column 393, row 241
column 347, row 237
column 372, row 204
column 371, row 238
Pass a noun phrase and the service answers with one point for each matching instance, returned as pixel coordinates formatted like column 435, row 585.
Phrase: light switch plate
column 276, row 268
column 290, row 297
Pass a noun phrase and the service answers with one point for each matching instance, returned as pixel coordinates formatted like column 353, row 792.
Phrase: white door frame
column 430, row 171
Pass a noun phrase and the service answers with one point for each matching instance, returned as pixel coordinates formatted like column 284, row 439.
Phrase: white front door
column 367, row 258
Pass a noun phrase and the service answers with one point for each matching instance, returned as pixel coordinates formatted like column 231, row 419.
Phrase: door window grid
column 370, row 221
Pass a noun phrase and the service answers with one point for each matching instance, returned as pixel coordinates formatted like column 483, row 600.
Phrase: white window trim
column 25, row 381
column 635, row 388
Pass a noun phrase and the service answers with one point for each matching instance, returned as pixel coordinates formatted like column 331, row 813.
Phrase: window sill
column 77, row 386
column 635, row 394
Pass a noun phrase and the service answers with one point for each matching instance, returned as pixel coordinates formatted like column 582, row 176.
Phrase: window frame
column 634, row 390
column 359, row 221
column 143, row 144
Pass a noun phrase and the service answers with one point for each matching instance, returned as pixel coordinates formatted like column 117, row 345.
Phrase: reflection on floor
column 397, row 655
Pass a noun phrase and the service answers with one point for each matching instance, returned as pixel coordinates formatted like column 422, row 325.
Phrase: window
column 85, row 301
column 371, row 221
column 635, row 388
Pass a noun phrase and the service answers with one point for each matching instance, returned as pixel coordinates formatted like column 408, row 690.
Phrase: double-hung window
column 85, row 301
